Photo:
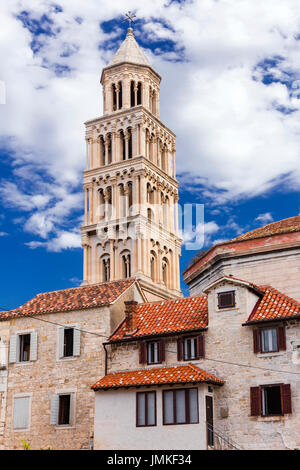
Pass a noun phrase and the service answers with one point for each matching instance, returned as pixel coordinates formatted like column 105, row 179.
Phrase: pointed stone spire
column 130, row 51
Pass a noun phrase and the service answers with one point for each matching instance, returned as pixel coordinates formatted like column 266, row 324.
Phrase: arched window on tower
column 132, row 94
column 102, row 151
column 114, row 93
column 164, row 157
column 126, row 264
column 139, row 93
column 120, row 95
column 165, row 272
column 122, row 145
column 153, row 101
column 153, row 265
column 105, row 268
column 109, row 149
column 129, row 142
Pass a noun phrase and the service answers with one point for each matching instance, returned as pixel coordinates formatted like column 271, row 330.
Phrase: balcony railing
column 218, row 440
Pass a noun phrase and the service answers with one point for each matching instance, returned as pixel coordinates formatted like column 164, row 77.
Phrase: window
column 23, row 347
column 21, row 412
column 226, row 299
column 151, row 352
column 146, row 409
column 68, row 342
column 180, row 406
column 190, row 348
column 24, row 352
column 271, row 339
column 64, row 410
column 271, row 400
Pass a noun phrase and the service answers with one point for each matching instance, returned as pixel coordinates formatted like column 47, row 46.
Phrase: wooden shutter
column 21, row 412
column 61, row 338
column 180, row 349
column 54, row 410
column 143, row 352
column 281, row 338
column 33, row 346
column 255, row 401
column 162, row 351
column 286, row 398
column 76, row 342
column 200, row 347
column 256, row 341
column 13, row 343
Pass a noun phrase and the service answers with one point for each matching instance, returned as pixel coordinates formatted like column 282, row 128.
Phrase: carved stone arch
column 126, row 267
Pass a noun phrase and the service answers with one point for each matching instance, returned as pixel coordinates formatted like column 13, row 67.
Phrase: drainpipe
column 104, row 345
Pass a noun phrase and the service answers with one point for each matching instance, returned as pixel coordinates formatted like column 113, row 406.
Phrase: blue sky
column 230, row 91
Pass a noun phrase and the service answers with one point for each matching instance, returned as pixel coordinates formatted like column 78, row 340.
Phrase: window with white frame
column 21, row 407
column 190, row 348
column 269, row 341
column 153, row 352
column 23, row 347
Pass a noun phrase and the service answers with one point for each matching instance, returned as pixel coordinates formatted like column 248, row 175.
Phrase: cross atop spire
column 130, row 18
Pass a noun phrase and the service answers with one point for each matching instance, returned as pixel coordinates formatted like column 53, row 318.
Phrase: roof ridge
column 172, row 300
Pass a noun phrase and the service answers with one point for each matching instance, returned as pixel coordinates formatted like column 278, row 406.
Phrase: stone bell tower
column 131, row 194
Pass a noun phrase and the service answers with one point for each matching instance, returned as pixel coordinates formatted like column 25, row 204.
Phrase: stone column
column 113, row 147
column 176, row 198
column 112, row 257
column 135, row 89
column 86, row 206
column 87, row 153
column 126, row 144
column 91, row 203
column 106, row 151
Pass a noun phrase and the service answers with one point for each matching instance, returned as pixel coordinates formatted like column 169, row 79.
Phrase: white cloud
column 63, row 241
column 233, row 137
column 3, row 234
column 264, row 218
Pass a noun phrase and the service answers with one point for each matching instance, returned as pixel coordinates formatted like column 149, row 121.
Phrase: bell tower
column 131, row 193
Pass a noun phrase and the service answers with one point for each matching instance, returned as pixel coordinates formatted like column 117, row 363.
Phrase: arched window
column 129, row 142
column 164, row 156
column 114, row 93
column 132, row 100
column 105, row 268
column 122, row 145
column 149, row 215
column 102, row 151
column 120, row 95
column 153, row 265
column 139, row 93
column 126, row 265
column 101, row 206
column 165, row 272
column 109, row 150
column 153, row 101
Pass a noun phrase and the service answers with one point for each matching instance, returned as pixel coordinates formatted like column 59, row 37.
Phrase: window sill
column 66, row 359
column 271, row 354
column 24, row 363
column 227, row 309
column 270, row 419
column 21, row 430
column 65, row 426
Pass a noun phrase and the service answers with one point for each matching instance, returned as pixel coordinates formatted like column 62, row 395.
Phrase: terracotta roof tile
column 169, row 316
column 186, row 374
column 274, row 305
column 292, row 224
column 76, row 298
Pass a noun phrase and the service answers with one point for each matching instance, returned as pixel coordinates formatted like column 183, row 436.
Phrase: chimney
column 130, row 315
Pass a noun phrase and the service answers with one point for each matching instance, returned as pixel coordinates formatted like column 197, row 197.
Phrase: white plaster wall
column 115, row 423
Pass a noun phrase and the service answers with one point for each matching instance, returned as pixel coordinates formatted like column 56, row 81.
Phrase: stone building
column 53, row 353
column 218, row 370
column 267, row 255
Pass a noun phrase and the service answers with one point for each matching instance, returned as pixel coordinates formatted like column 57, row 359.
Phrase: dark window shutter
column 255, row 401
column 143, row 352
column 256, row 341
column 180, row 349
column 162, row 351
column 286, row 398
column 281, row 338
column 200, row 346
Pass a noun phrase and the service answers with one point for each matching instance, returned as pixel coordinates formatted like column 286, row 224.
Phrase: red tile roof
column 186, row 374
column 274, row 305
column 292, row 224
column 76, row 298
column 169, row 316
